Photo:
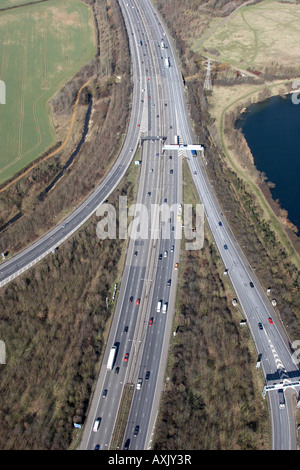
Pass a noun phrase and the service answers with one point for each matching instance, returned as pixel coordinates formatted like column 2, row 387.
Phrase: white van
column 164, row 309
column 97, row 424
column 158, row 307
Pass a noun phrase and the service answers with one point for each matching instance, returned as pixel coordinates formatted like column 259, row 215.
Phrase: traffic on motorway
column 167, row 116
column 147, row 293
column 138, row 341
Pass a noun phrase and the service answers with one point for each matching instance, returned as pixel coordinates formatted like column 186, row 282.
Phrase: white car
column 97, row 424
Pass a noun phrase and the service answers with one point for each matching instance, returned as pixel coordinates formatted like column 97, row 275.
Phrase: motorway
column 147, row 342
column 159, row 109
column 145, row 275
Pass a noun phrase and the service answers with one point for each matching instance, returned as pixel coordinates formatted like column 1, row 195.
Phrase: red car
column 126, row 357
column 138, row 302
column 151, row 321
column 270, row 321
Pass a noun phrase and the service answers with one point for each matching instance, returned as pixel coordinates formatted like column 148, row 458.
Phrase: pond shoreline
column 278, row 207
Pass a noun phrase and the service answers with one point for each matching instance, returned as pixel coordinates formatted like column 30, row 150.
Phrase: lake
column 272, row 131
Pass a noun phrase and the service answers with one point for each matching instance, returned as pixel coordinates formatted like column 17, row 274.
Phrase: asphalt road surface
column 148, row 343
column 159, row 109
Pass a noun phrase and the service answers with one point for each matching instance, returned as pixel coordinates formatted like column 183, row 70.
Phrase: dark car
column 147, row 375
column 136, row 431
column 225, row 247
column 130, row 299
column 127, row 444
column 160, row 256
column 260, row 326
column 117, row 370
column 169, row 283
column 220, row 223
column 97, row 447
column 251, row 284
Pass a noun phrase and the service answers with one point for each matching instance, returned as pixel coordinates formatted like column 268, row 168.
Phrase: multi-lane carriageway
column 164, row 87
column 146, row 276
column 159, row 108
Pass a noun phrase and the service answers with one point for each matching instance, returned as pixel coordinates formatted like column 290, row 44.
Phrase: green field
column 255, row 36
column 42, row 46
column 13, row 3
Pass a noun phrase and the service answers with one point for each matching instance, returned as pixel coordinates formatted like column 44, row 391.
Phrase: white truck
column 139, row 384
column 167, row 63
column 258, row 362
column 158, row 308
column 97, row 424
column 111, row 358
column 164, row 309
